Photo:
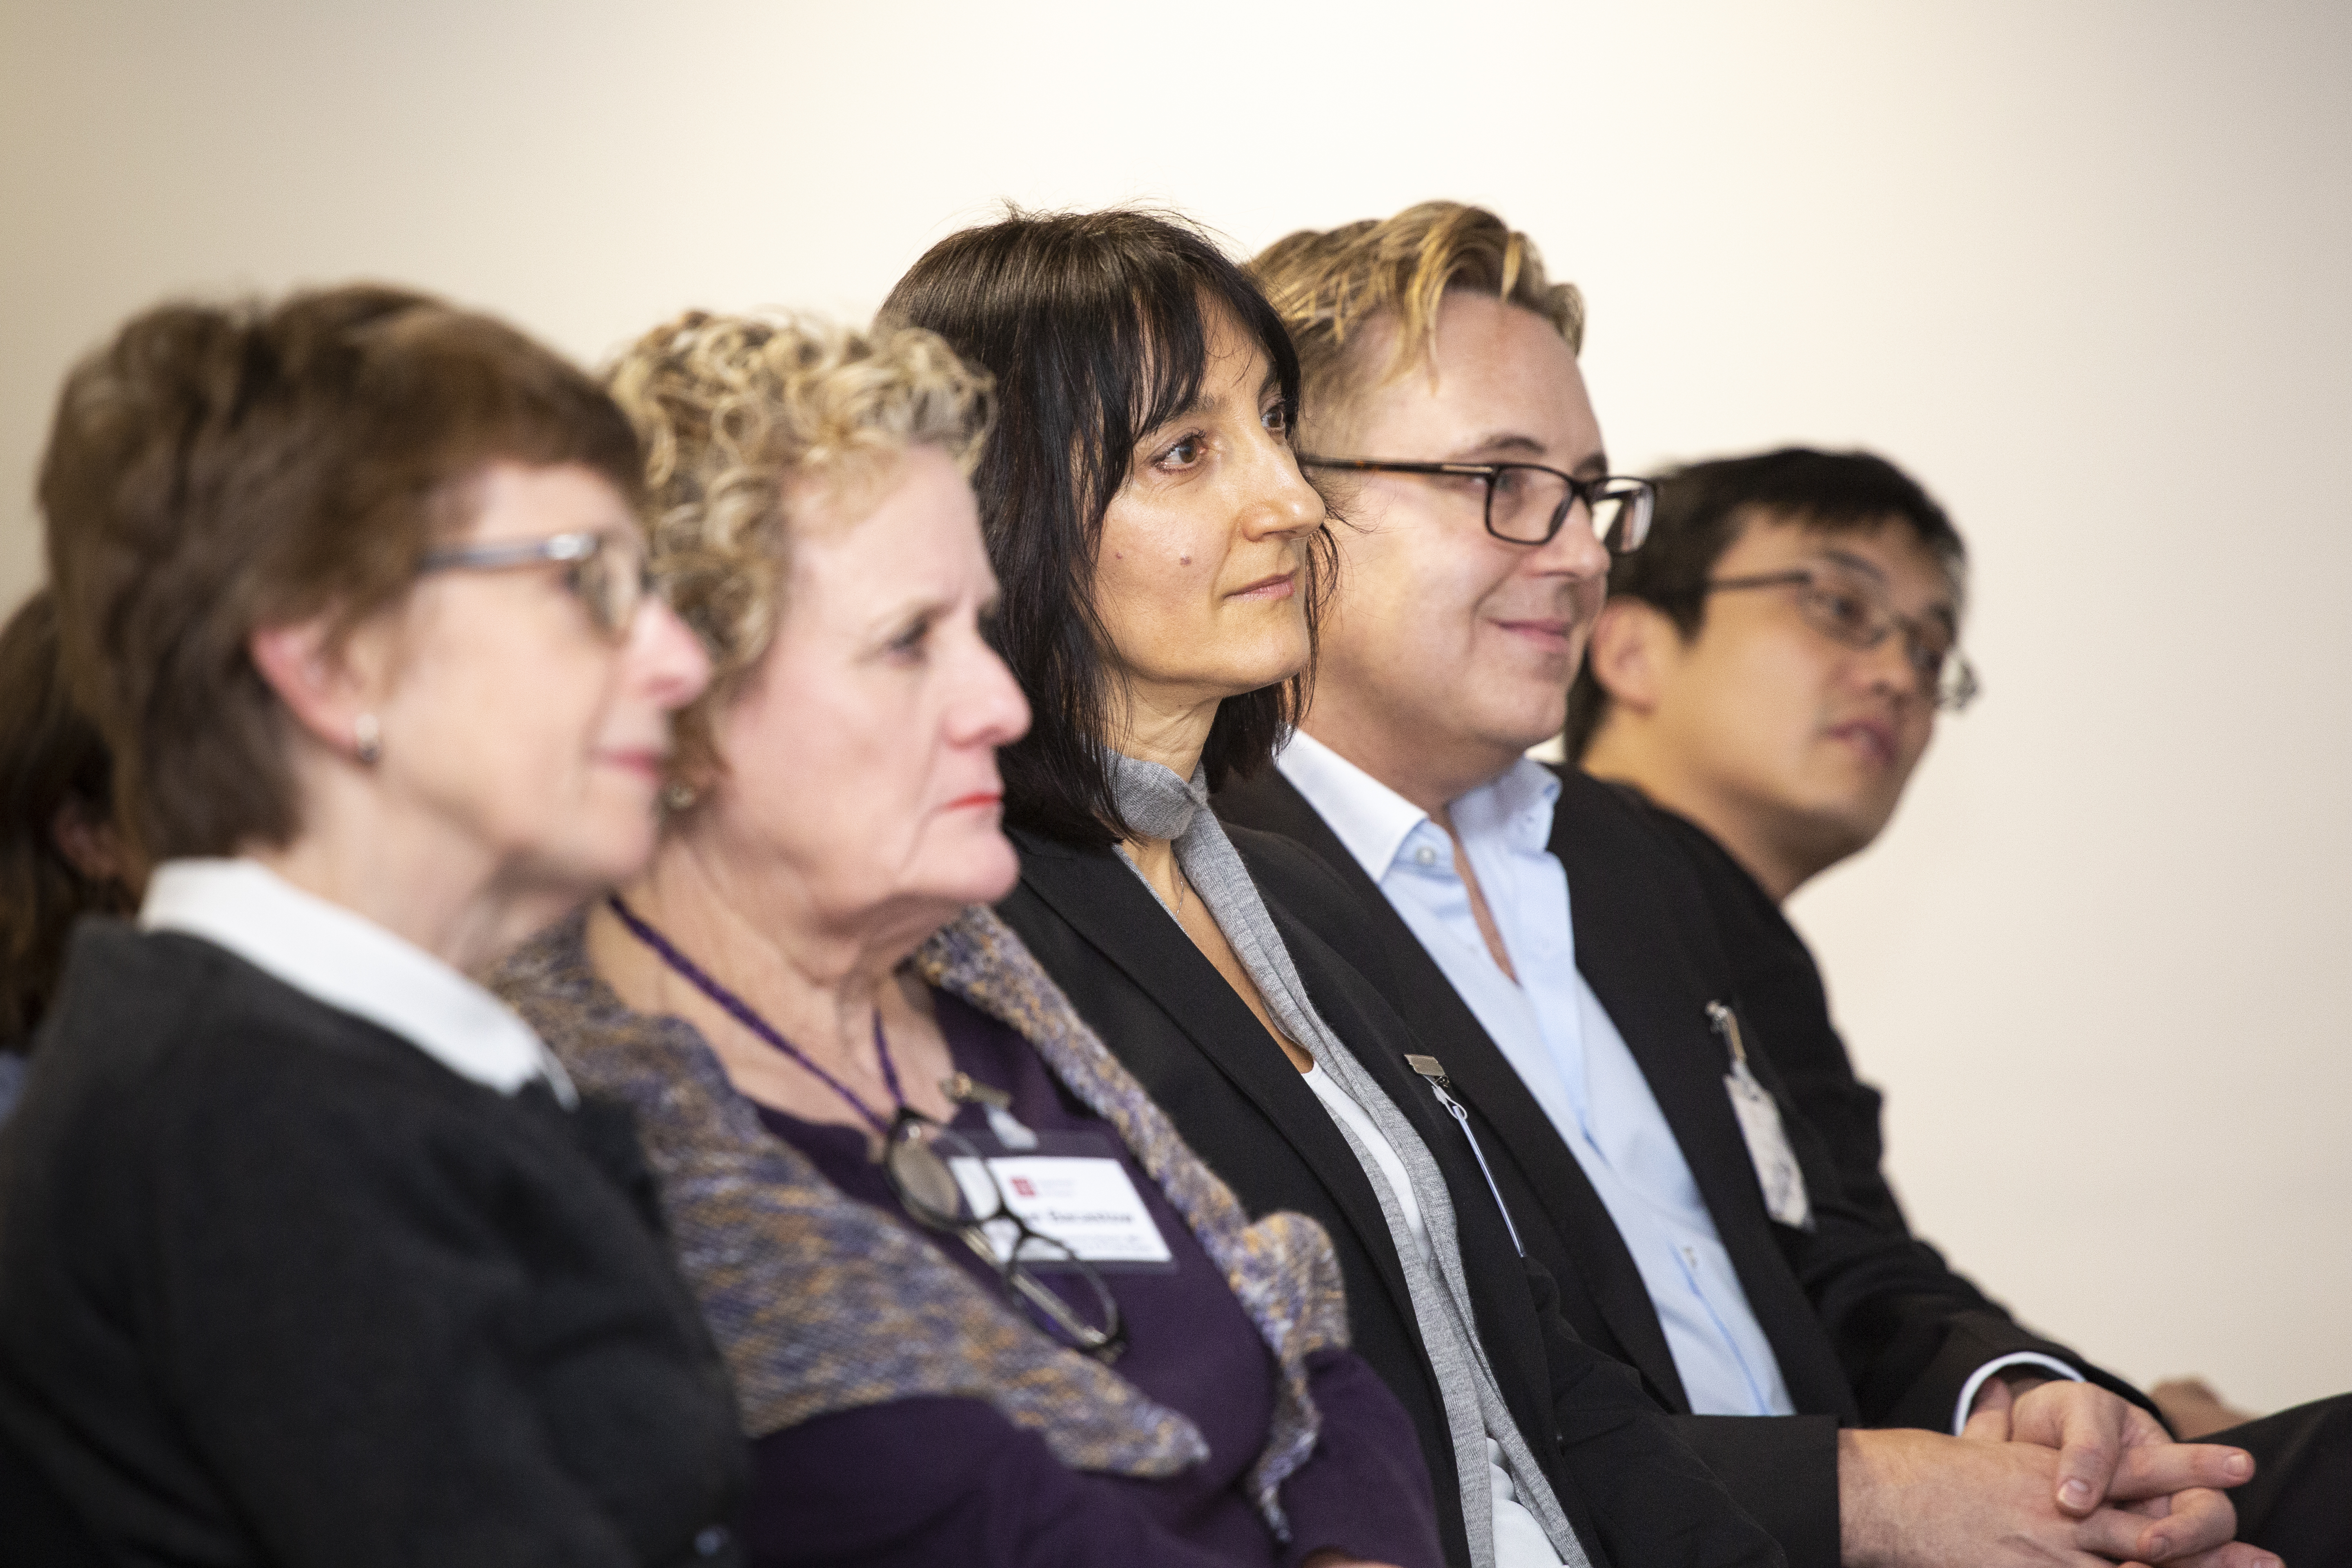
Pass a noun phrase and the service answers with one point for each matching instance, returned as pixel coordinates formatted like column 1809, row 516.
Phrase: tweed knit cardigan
column 826, row 1304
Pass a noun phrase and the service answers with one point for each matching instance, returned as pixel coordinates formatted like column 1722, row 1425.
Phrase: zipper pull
column 1434, row 1071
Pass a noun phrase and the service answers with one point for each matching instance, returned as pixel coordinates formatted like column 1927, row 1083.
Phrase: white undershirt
column 1519, row 1540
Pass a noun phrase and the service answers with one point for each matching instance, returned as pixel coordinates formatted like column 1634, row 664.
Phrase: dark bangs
column 1095, row 328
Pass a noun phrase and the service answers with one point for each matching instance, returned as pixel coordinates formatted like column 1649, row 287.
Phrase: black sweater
column 277, row 1287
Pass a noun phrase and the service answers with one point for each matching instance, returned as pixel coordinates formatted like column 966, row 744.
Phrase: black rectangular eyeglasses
column 1527, row 503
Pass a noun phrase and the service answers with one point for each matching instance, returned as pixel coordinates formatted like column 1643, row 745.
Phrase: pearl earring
column 677, row 797
column 367, row 739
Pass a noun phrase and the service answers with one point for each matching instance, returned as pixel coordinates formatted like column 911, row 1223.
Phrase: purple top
column 952, row 1481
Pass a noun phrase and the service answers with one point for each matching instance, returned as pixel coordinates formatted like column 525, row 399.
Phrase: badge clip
column 1434, row 1071
column 965, row 1089
column 1777, row 1171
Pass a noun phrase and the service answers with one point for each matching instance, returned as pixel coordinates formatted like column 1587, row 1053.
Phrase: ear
column 89, row 843
column 1631, row 652
column 320, row 682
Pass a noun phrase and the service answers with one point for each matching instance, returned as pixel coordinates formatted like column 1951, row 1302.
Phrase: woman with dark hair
column 1160, row 555
column 308, row 1251
column 818, row 1020
column 60, row 857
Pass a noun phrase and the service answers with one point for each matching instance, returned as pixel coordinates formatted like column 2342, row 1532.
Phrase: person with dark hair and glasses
column 1764, row 681
column 983, row 1305
column 1163, row 563
column 1768, row 673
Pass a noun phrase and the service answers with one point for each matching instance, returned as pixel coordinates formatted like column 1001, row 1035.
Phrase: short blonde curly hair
column 750, row 422
column 1329, row 284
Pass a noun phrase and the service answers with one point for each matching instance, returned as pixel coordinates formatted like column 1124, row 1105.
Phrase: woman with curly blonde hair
column 981, row 1304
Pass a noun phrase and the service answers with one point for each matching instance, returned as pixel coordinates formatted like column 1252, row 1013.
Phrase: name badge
column 1777, row 1171
column 1073, row 1195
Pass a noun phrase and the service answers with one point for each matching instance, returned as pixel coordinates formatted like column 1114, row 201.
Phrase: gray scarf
column 1159, row 805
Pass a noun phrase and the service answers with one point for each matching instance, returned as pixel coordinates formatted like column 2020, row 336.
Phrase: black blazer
column 1783, row 999
column 277, row 1287
column 1869, row 1326
column 1634, row 1492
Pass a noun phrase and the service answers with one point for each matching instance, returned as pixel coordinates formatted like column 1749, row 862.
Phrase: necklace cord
column 743, row 1013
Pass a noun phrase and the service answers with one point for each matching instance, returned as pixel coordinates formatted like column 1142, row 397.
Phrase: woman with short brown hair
column 309, row 1253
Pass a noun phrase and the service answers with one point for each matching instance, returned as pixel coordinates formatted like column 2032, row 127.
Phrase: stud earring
column 677, row 797
column 367, row 740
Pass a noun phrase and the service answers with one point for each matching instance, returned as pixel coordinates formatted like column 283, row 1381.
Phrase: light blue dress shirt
column 1553, row 1030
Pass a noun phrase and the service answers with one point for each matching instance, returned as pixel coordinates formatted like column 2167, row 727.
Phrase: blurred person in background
column 1765, row 679
column 308, row 1252
column 1162, row 561
column 823, row 1028
column 60, row 857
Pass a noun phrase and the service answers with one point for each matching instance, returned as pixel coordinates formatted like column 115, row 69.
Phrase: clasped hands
column 2058, row 1473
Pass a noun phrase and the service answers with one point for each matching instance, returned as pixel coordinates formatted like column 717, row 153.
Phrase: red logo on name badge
column 1026, row 1187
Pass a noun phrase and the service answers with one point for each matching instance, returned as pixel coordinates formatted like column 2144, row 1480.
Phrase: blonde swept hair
column 1329, row 284
column 751, row 425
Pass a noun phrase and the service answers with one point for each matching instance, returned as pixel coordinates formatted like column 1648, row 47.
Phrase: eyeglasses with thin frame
column 609, row 577
column 918, row 1160
column 1842, row 610
column 1527, row 503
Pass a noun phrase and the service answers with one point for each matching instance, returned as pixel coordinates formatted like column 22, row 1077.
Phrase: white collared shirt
column 1553, row 1030
column 353, row 964
column 1550, row 1027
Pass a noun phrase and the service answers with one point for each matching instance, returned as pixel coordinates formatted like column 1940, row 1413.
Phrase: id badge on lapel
column 1777, row 1171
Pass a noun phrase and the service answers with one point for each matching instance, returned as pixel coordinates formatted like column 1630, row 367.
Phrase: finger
column 2237, row 1554
column 1988, row 1425
column 2090, row 1444
column 2160, row 1467
column 1993, row 1393
column 2200, row 1522
column 2119, row 1536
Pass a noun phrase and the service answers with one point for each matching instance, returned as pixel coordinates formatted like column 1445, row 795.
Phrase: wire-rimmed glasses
column 945, row 1184
column 1527, row 503
column 608, row 575
column 1840, row 607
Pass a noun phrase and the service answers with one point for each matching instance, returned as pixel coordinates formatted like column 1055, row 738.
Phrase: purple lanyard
column 740, row 1011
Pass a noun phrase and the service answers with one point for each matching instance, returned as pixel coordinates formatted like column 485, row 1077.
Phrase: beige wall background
column 2080, row 266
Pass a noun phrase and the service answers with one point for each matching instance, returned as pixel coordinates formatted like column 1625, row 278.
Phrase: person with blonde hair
column 310, row 1254
column 1859, row 1398
column 983, row 1304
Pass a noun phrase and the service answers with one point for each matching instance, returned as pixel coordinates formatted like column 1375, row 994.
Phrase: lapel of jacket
column 1485, row 1078
column 1119, row 918
column 1657, row 998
